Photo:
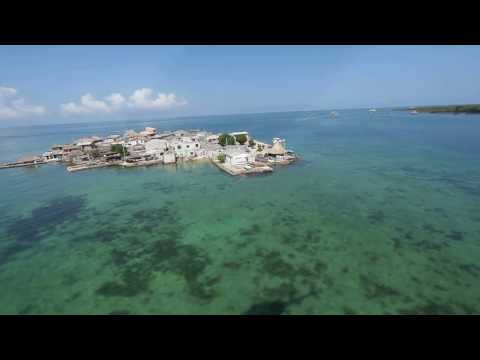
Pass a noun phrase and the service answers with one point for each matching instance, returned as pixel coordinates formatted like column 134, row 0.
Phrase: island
column 447, row 109
column 236, row 153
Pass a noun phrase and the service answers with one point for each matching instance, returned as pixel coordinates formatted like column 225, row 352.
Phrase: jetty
column 88, row 166
column 236, row 153
column 24, row 161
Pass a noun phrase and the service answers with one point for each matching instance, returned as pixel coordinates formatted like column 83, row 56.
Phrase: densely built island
column 236, row 153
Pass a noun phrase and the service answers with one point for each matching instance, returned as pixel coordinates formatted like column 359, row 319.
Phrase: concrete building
column 87, row 144
column 148, row 132
column 169, row 157
column 156, row 147
column 239, row 155
column 213, row 150
column 53, row 155
column 212, row 139
column 186, row 147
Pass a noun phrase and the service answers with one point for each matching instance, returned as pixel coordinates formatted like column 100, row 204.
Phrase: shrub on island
column 221, row 158
column 226, row 139
column 119, row 149
column 241, row 139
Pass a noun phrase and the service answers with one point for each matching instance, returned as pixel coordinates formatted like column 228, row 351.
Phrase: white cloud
column 5, row 91
column 12, row 106
column 141, row 99
column 116, row 100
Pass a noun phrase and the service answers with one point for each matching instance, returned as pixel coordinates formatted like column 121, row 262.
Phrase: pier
column 25, row 161
column 88, row 166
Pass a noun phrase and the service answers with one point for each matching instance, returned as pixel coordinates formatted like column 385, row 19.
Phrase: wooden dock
column 16, row 165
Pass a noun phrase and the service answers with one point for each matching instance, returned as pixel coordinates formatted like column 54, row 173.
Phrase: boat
column 413, row 112
column 333, row 114
column 372, row 110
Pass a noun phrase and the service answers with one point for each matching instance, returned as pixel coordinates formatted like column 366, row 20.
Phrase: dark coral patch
column 28, row 230
column 375, row 290
column 267, row 308
column 312, row 236
column 161, row 252
column 431, row 229
column 430, row 245
column 397, row 243
column 349, row 311
column 45, row 218
column 472, row 269
column 106, row 234
column 119, row 312
column 232, row 265
column 284, row 291
column 274, row 264
column 456, row 235
column 377, row 216
column 430, row 308
column 252, row 230
column 132, row 283
column 26, row 310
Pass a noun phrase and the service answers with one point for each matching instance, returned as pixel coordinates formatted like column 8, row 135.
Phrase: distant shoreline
column 445, row 109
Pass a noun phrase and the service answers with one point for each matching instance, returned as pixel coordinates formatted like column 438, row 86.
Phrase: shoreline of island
column 443, row 109
column 236, row 153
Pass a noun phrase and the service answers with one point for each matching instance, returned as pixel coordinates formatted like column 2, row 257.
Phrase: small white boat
column 372, row 110
column 333, row 114
column 413, row 112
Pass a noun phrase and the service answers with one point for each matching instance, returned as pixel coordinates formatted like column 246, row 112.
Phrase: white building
column 53, row 155
column 278, row 140
column 86, row 144
column 156, row 147
column 169, row 157
column 239, row 156
column 213, row 150
column 137, row 140
column 149, row 132
column 186, row 147
column 212, row 139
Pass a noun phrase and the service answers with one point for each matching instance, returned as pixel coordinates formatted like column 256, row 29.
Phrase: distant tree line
column 455, row 109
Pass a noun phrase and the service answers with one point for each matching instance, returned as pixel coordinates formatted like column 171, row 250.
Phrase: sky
column 62, row 84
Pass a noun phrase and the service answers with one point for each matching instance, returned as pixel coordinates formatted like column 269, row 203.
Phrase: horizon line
column 223, row 114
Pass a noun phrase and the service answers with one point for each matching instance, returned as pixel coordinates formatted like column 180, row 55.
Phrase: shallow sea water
column 380, row 216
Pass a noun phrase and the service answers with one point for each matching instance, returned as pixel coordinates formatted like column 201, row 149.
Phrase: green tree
column 259, row 147
column 221, row 158
column 251, row 143
column 119, row 149
column 241, row 139
column 226, row 139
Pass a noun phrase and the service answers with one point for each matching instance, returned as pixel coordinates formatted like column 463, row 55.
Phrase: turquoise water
column 380, row 216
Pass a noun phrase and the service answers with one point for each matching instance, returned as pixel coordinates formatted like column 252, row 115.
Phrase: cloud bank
column 13, row 106
column 141, row 99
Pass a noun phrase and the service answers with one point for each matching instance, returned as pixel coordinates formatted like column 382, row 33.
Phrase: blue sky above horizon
column 61, row 84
